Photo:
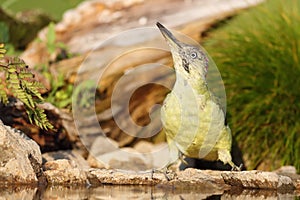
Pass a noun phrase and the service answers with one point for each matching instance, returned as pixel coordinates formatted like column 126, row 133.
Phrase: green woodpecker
column 193, row 120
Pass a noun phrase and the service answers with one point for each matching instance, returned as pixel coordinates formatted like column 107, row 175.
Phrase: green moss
column 258, row 54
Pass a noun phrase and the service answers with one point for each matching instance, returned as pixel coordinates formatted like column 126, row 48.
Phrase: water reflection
column 133, row 192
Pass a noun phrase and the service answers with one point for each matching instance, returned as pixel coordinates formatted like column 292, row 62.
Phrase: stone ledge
column 191, row 178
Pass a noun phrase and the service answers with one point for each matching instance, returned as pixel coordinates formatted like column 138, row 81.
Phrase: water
column 134, row 192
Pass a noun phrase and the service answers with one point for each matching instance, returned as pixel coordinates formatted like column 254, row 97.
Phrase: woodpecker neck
column 198, row 85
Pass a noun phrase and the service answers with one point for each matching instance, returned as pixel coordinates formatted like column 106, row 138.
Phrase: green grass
column 55, row 8
column 258, row 54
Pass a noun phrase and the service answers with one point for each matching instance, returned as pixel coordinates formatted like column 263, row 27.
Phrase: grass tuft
column 258, row 54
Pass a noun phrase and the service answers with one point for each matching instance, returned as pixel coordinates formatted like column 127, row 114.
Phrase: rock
column 193, row 176
column 286, row 170
column 143, row 146
column 20, row 158
column 72, row 155
column 143, row 156
column 208, row 182
column 125, row 177
column 100, row 146
column 157, row 154
column 259, row 180
column 196, row 175
column 125, row 159
column 291, row 172
column 194, row 179
column 65, row 168
column 64, row 172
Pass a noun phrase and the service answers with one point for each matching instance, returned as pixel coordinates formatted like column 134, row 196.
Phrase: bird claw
column 236, row 168
column 169, row 174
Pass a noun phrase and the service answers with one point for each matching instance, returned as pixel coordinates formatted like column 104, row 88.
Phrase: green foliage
column 4, row 38
column 54, row 8
column 4, row 32
column 51, row 38
column 258, row 53
column 20, row 82
column 61, row 91
column 51, row 45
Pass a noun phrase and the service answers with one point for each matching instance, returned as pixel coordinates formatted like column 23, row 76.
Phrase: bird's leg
column 181, row 157
column 225, row 156
column 169, row 173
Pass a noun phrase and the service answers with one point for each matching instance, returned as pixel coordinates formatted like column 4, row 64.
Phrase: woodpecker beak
column 171, row 40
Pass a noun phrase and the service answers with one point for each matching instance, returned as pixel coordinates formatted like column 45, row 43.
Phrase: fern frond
column 33, row 88
column 21, row 83
column 2, row 50
column 15, row 85
column 3, row 95
column 39, row 117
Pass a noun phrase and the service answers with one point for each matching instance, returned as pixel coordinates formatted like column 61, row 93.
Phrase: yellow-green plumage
column 193, row 121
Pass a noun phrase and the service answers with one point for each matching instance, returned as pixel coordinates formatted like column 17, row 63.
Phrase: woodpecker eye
column 194, row 55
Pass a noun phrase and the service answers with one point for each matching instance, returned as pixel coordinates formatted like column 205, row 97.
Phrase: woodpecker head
column 189, row 61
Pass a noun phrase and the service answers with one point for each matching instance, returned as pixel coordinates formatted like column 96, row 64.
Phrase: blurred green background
column 20, row 20
column 258, row 54
column 54, row 8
